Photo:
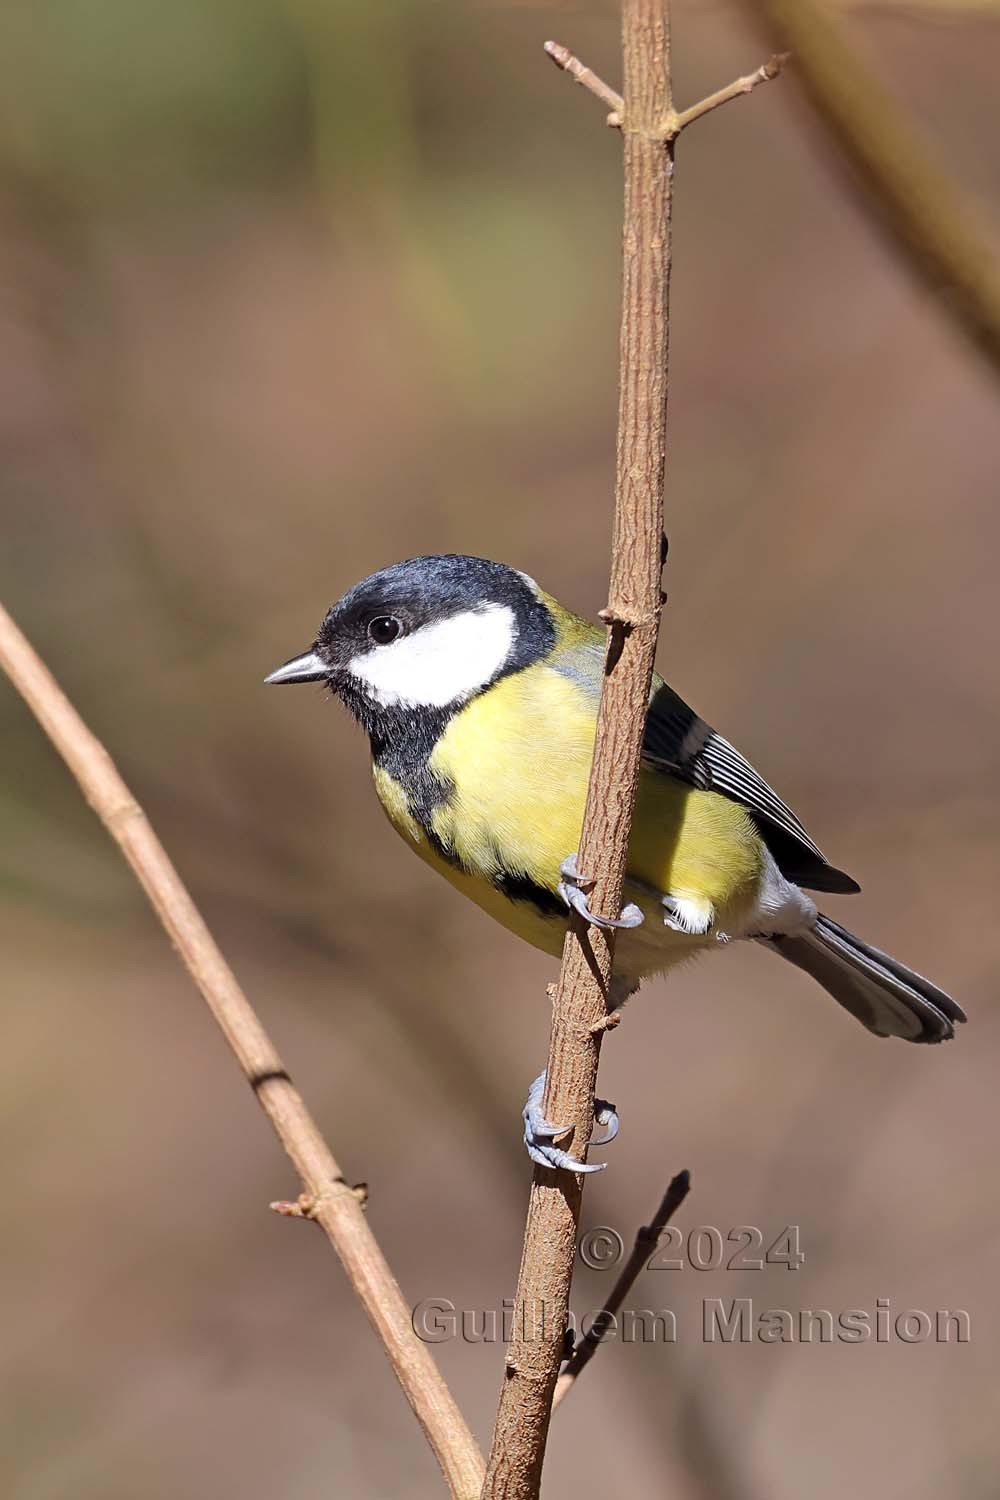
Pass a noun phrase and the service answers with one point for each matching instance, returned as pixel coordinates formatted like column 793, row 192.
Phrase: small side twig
column 327, row 1197
column 306, row 1206
column 764, row 74
column 565, row 59
column 646, row 1240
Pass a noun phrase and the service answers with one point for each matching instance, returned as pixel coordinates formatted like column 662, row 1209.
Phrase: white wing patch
column 441, row 663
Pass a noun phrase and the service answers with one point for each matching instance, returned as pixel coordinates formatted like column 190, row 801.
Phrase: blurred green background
column 291, row 291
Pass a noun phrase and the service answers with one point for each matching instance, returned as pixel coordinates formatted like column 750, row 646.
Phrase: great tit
column 478, row 692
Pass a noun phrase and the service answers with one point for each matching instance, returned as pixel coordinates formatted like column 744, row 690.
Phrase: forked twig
column 672, row 123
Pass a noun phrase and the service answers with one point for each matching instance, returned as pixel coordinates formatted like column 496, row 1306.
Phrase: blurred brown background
column 288, row 292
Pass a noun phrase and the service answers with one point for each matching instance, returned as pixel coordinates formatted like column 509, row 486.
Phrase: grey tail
column 884, row 995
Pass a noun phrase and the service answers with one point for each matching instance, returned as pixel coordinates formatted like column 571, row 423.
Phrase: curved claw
column 535, row 1123
column 542, row 1151
column 572, row 895
column 605, row 1114
column 555, row 1157
column 570, row 890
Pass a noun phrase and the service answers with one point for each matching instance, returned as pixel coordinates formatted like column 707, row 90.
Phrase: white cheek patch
column 440, row 663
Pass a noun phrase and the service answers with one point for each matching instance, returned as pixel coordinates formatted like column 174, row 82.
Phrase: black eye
column 384, row 629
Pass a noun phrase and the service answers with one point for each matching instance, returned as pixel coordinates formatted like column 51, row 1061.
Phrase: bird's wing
column 680, row 744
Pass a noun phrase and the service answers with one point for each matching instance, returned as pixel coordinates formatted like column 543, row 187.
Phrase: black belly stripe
column 521, row 888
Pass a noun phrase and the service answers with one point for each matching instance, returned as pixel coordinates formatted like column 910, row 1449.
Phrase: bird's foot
column 571, row 889
column 684, row 914
column 540, row 1133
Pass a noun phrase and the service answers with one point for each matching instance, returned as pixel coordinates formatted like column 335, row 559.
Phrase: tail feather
column 884, row 995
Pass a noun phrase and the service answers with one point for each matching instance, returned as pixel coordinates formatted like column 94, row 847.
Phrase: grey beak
column 305, row 668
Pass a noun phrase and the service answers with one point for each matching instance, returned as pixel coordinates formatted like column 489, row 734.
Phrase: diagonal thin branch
column 646, row 1240
column 936, row 225
column 328, row 1198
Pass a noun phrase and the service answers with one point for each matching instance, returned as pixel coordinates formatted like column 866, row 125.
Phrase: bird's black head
column 425, row 636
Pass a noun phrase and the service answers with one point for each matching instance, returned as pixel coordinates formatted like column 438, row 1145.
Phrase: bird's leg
column 540, row 1133
column 571, row 888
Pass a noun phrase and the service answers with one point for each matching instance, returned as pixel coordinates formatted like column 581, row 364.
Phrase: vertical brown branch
column 542, row 1301
column 328, row 1198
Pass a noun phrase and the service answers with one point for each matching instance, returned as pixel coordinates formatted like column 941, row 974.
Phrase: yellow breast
column 518, row 758
column 521, row 917
column 517, row 761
